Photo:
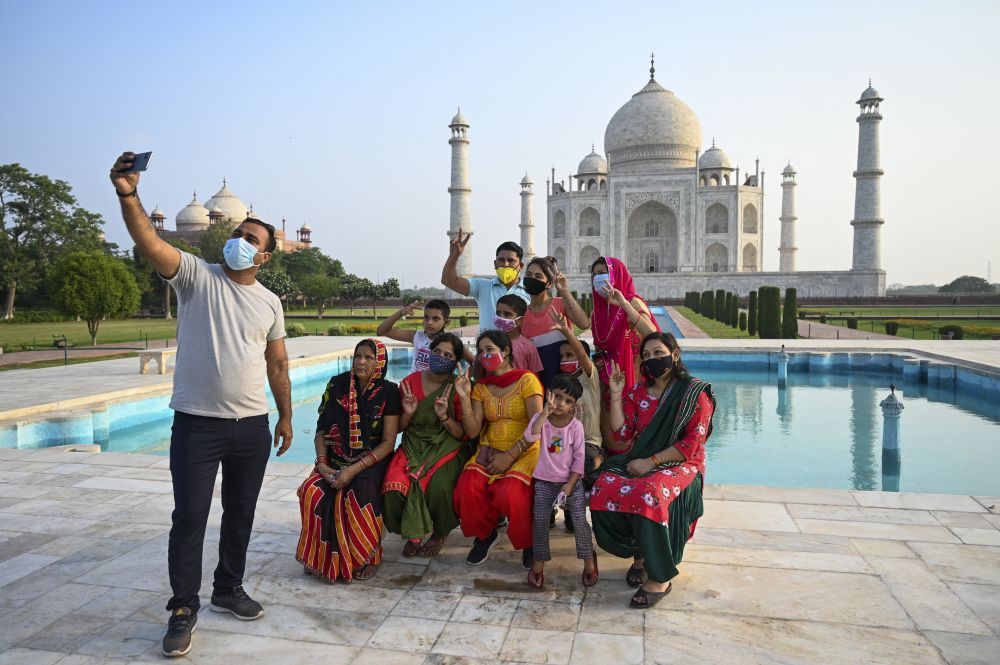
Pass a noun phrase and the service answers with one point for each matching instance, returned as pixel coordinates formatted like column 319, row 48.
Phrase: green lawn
column 904, row 312
column 926, row 328
column 361, row 312
column 15, row 336
column 713, row 328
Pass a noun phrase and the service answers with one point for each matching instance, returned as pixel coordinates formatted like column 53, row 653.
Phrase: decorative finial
column 713, row 141
column 892, row 386
column 869, row 82
column 652, row 66
column 194, row 195
column 592, row 148
column 223, row 181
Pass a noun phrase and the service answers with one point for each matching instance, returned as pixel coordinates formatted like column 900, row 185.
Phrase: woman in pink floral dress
column 647, row 499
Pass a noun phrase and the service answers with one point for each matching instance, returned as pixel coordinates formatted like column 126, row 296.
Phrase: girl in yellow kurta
column 497, row 480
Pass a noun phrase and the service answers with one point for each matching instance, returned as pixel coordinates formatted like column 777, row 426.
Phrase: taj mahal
column 682, row 219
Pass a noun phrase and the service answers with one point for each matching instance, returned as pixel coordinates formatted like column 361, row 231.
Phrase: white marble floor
column 772, row 576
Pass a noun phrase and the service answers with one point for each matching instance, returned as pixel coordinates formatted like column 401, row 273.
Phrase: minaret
column 868, row 220
column 787, row 249
column 527, row 219
column 461, row 217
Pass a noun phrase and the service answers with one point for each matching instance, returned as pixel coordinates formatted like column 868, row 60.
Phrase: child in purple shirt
column 559, row 468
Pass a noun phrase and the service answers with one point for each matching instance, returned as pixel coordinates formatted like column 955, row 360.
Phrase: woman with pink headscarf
column 621, row 319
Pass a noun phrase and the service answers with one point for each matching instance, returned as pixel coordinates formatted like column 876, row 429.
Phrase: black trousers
column 198, row 445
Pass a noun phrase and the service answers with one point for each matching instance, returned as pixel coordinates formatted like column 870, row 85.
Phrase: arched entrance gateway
column 652, row 230
column 716, row 257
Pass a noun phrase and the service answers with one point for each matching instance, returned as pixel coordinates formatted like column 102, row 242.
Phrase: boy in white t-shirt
column 437, row 315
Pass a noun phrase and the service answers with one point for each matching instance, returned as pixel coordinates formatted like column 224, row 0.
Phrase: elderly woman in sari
column 497, row 482
column 417, row 492
column 340, row 501
column 647, row 497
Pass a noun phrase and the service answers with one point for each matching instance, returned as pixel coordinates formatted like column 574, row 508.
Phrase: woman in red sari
column 340, row 502
column 647, row 497
column 621, row 319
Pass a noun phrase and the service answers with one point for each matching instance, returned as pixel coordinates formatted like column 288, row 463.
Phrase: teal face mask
column 239, row 254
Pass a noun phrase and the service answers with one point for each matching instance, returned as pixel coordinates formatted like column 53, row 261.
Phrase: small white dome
column 305, row 228
column 459, row 119
column 788, row 170
column 592, row 163
column 870, row 93
column 225, row 200
column 192, row 216
column 715, row 158
column 157, row 213
column 216, row 211
column 526, row 180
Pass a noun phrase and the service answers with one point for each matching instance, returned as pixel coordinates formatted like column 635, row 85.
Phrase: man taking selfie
column 230, row 336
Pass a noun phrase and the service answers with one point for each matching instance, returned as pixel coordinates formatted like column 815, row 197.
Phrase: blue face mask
column 601, row 283
column 440, row 365
column 239, row 254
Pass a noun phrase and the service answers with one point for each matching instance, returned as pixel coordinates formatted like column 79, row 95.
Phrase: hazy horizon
column 336, row 115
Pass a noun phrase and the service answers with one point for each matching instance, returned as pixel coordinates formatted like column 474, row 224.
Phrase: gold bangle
column 652, row 459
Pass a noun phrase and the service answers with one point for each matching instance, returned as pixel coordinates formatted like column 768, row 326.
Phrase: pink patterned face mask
column 506, row 325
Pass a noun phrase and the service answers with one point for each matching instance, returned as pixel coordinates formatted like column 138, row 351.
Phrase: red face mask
column 569, row 366
column 490, row 361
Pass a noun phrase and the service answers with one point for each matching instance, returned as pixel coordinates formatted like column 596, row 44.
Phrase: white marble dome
column 715, row 158
column 592, row 163
column 526, row 180
column 157, row 213
column 870, row 93
column 459, row 119
column 192, row 216
column 654, row 125
column 788, row 170
column 232, row 208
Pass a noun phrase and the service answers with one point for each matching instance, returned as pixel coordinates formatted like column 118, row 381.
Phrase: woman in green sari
column 417, row 490
column 647, row 499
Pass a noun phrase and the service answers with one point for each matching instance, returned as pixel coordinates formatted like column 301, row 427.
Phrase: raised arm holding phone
column 230, row 336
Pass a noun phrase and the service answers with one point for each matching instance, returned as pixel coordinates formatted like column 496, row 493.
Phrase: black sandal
column 635, row 577
column 648, row 598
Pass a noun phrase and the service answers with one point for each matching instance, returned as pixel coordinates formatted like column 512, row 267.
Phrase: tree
column 213, row 240
column 93, row 286
column 734, row 311
column 353, row 288
column 39, row 218
column 150, row 283
column 319, row 288
column 769, row 298
column 311, row 261
column 277, row 282
column 708, row 304
column 720, row 305
column 727, row 311
column 695, row 301
column 968, row 284
column 752, row 314
column 789, row 316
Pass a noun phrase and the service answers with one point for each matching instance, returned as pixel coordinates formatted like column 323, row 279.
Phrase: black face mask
column 534, row 286
column 654, row 368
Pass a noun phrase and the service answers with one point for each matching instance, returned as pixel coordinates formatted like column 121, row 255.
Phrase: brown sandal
column 431, row 548
column 366, row 572
column 411, row 548
column 536, row 580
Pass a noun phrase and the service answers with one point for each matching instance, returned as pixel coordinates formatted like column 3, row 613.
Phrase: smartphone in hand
column 139, row 163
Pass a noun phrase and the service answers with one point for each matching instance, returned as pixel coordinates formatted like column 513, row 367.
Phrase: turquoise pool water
column 823, row 430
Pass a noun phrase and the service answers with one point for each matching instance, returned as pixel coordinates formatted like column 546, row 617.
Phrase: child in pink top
column 556, row 476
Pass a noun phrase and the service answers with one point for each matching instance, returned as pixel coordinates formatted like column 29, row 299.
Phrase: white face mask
column 239, row 254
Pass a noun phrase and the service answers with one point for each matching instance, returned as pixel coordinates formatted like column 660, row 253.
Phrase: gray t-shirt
column 222, row 331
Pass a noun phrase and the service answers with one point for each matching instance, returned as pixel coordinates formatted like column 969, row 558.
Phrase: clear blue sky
column 336, row 114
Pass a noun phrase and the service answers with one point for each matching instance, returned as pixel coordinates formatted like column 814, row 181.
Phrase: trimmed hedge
column 891, row 327
column 708, row 305
column 752, row 313
column 852, row 323
column 789, row 322
column 727, row 308
column 743, row 320
column 695, row 301
column 769, row 302
column 957, row 332
column 720, row 305
column 734, row 312
column 295, row 330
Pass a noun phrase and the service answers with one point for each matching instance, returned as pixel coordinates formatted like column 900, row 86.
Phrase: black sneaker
column 569, row 521
column 480, row 551
column 502, row 522
column 527, row 556
column 177, row 641
column 237, row 603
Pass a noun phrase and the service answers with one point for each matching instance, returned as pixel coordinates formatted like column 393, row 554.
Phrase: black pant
column 197, row 445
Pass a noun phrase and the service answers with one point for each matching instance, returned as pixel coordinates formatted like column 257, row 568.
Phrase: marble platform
column 772, row 576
